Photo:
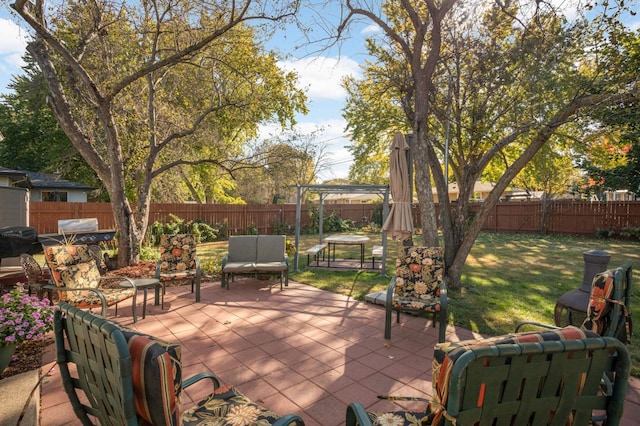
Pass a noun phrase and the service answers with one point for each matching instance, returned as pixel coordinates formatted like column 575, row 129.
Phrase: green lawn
column 508, row 278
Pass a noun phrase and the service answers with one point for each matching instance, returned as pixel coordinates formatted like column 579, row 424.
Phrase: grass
column 507, row 278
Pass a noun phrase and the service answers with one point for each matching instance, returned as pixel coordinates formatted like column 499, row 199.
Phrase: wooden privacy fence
column 565, row 217
column 239, row 218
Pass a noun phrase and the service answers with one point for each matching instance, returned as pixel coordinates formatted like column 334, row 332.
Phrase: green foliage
column 331, row 223
column 201, row 230
column 210, row 267
column 631, row 233
column 281, row 228
column 290, row 248
column 33, row 139
column 252, row 229
column 149, row 253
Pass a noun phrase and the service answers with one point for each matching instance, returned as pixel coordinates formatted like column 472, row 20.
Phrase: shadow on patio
column 302, row 350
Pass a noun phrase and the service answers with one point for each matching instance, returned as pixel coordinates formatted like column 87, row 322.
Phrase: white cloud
column 13, row 42
column 371, row 29
column 321, row 76
column 13, row 39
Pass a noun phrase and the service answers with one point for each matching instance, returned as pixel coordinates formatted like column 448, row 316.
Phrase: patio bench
column 316, row 251
column 376, row 253
column 256, row 254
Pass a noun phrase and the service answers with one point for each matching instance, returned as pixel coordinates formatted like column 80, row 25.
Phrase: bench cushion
column 239, row 267
column 271, row 248
column 271, row 266
column 242, row 249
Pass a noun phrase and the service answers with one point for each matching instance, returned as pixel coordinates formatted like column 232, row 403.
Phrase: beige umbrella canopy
column 399, row 223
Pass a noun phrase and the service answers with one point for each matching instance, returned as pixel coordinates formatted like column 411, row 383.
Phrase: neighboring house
column 349, row 199
column 481, row 191
column 45, row 187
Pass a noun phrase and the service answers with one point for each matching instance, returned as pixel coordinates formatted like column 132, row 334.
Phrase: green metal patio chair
column 537, row 378
column 116, row 376
column 77, row 280
column 608, row 312
column 418, row 287
column 178, row 261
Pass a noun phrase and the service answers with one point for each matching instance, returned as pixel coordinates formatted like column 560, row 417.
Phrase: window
column 54, row 196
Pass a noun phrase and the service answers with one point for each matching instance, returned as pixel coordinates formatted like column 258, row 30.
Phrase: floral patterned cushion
column 157, row 378
column 73, row 267
column 419, row 273
column 599, row 306
column 59, row 257
column 177, row 256
column 227, row 406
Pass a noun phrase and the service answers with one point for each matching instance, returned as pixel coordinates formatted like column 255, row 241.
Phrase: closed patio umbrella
column 399, row 223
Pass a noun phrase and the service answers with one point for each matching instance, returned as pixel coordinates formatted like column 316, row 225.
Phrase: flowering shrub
column 24, row 317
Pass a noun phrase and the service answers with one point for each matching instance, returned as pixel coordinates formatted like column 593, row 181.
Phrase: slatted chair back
column 608, row 311
column 552, row 382
column 99, row 384
column 549, row 377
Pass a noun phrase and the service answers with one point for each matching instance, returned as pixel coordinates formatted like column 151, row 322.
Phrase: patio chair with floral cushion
column 178, row 261
column 79, row 283
column 608, row 312
column 117, row 376
column 535, row 378
column 418, row 287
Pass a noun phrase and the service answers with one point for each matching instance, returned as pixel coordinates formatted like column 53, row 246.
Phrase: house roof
column 34, row 180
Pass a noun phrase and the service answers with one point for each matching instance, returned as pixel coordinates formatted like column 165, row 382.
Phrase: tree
column 613, row 156
column 33, row 139
column 506, row 77
column 143, row 88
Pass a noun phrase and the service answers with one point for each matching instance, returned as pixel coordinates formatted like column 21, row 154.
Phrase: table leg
column 144, row 303
column 133, row 306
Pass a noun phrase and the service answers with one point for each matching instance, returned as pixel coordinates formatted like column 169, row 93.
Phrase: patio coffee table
column 346, row 240
column 144, row 284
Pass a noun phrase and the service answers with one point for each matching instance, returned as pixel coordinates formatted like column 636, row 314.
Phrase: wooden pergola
column 322, row 191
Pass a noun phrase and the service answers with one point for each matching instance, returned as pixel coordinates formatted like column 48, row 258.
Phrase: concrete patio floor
column 301, row 350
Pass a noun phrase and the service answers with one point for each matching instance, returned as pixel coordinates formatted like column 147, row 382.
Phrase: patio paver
column 302, row 350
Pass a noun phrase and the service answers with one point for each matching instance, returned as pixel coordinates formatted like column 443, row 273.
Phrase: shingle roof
column 42, row 180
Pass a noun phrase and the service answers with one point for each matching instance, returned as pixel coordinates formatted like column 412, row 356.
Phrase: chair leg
column 387, row 322
column 443, row 326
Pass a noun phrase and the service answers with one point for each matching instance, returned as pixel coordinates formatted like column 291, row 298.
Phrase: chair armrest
column 157, row 273
column 356, row 414
column 390, row 291
column 197, row 377
column 536, row 324
column 121, row 278
column 98, row 292
column 225, row 259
